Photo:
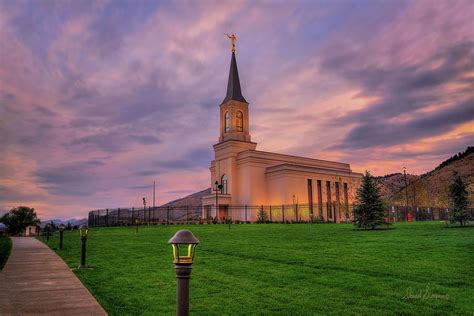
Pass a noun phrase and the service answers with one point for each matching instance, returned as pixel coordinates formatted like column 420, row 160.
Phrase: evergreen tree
column 262, row 216
column 369, row 210
column 458, row 198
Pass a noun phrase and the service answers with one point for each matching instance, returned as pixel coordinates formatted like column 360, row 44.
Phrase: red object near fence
column 410, row 217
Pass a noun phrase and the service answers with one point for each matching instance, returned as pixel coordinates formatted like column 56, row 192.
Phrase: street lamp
column 83, row 231
column 217, row 189
column 184, row 244
column 61, row 233
column 144, row 208
column 47, row 232
column 406, row 190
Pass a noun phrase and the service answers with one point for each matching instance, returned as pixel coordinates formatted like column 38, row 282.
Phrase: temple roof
column 233, row 86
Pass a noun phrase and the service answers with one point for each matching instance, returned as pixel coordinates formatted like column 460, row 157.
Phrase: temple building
column 244, row 179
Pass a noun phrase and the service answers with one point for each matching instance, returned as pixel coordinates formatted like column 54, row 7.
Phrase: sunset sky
column 100, row 98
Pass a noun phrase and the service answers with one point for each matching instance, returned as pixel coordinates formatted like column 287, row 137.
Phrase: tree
column 19, row 218
column 458, row 200
column 262, row 216
column 369, row 210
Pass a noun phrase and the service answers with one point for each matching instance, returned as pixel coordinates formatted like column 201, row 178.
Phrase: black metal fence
column 289, row 213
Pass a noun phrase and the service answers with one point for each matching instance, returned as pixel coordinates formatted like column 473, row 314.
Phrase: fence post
column 245, row 213
column 168, row 215
column 270, row 212
column 283, row 213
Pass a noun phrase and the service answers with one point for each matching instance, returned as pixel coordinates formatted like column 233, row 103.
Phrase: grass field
column 416, row 268
column 5, row 248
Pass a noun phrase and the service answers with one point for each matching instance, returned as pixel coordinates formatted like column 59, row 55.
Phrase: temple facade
column 244, row 179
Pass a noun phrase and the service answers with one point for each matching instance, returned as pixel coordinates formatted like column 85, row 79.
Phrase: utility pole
column 406, row 191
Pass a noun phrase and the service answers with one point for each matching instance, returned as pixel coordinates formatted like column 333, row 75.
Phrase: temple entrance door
column 223, row 212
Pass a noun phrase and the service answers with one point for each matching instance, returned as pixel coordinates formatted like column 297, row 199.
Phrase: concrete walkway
column 36, row 280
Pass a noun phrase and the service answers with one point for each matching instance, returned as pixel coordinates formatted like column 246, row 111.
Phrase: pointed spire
column 233, row 86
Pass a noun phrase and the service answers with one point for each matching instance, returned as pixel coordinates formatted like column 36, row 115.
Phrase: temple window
column 227, row 122
column 240, row 121
column 224, row 184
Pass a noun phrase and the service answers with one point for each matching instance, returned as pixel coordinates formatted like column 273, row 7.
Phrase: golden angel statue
column 232, row 40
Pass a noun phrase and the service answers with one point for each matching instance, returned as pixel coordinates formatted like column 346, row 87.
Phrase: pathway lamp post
column 48, row 231
column 137, row 222
column 61, row 234
column 83, row 231
column 184, row 244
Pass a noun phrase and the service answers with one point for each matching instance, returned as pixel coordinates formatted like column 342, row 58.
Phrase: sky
column 98, row 99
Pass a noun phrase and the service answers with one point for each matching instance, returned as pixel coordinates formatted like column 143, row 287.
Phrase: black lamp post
column 144, row 208
column 217, row 189
column 48, row 228
column 61, row 233
column 83, row 231
column 406, row 191
column 184, row 244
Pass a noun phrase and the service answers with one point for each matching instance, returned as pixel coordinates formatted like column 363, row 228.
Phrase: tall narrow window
column 338, row 194
column 227, row 122
column 310, row 196
column 240, row 121
column 328, row 198
column 346, row 195
column 224, row 184
column 320, row 199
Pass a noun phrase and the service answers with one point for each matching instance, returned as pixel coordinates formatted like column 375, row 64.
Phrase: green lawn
column 416, row 268
column 5, row 248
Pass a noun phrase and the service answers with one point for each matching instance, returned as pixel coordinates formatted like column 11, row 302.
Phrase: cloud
column 374, row 133
column 74, row 179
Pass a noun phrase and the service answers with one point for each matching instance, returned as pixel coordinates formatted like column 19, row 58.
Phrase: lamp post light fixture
column 406, row 191
column 184, row 244
column 217, row 189
column 83, row 231
column 48, row 229
column 61, row 235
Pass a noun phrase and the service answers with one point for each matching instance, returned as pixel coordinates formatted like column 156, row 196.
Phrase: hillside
column 192, row 199
column 431, row 188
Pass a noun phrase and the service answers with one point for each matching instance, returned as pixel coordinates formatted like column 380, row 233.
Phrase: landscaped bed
column 5, row 249
column 415, row 268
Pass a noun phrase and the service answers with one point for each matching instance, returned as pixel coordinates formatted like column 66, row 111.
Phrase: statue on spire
column 232, row 40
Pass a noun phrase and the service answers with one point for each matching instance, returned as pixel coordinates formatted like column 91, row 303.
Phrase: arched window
column 240, row 121
column 227, row 122
column 224, row 184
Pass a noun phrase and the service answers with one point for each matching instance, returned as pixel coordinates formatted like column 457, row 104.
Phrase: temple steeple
column 234, row 91
column 234, row 109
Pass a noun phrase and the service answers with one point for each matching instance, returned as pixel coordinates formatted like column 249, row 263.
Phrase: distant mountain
column 73, row 221
column 430, row 189
column 191, row 200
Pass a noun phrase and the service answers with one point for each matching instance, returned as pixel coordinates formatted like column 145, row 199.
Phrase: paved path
column 36, row 280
